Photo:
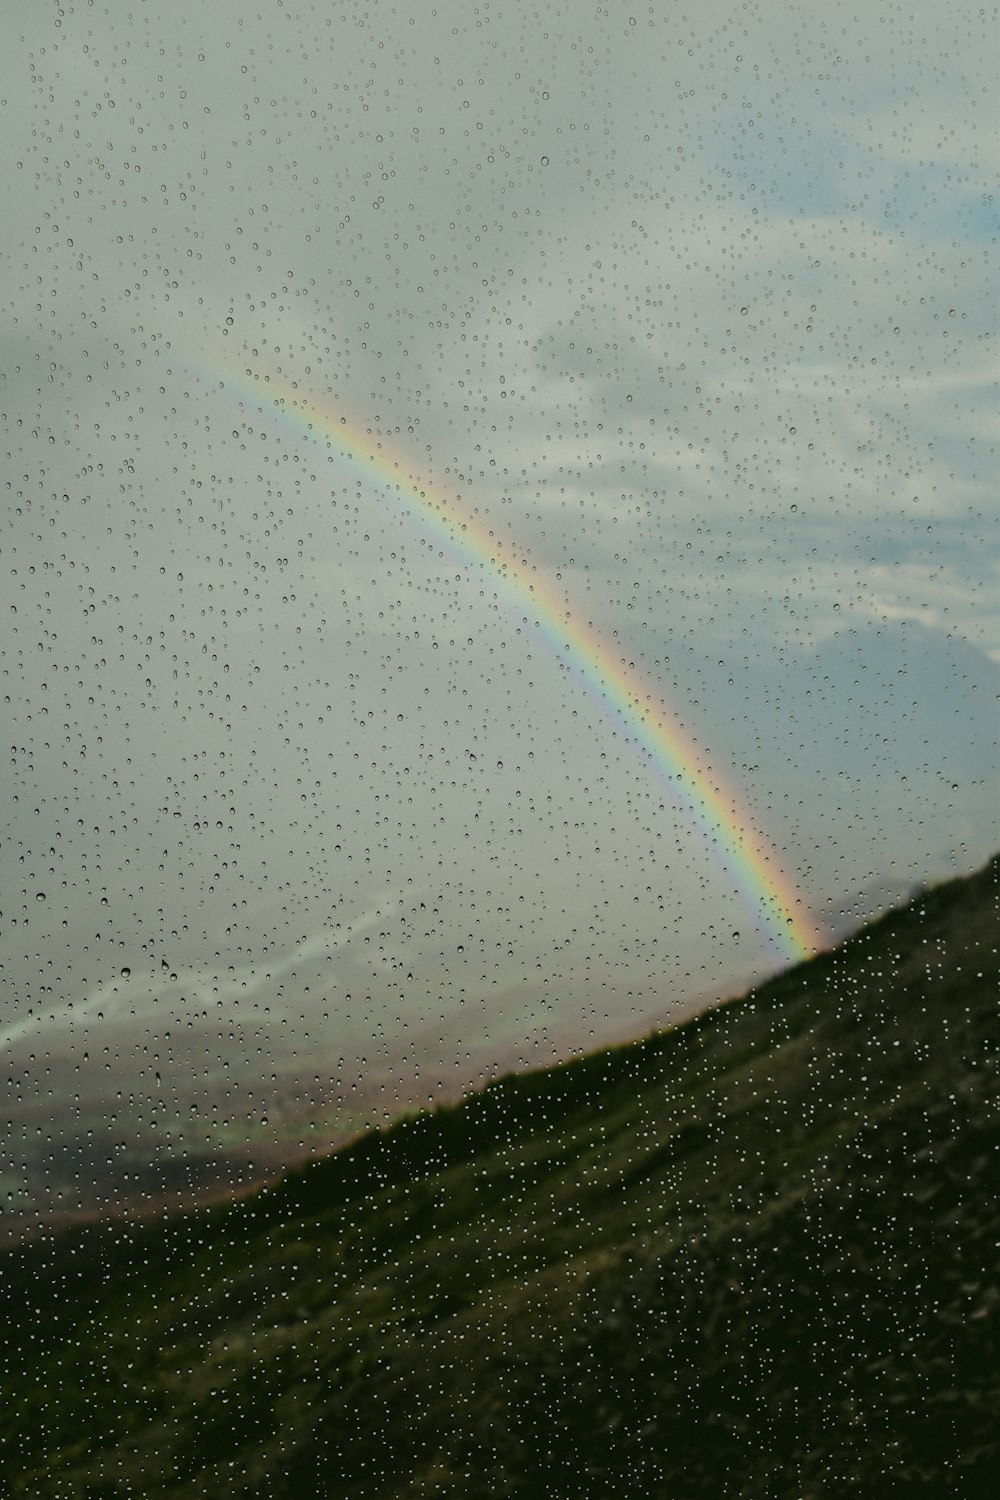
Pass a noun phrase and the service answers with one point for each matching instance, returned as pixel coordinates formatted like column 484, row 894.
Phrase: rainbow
column 615, row 686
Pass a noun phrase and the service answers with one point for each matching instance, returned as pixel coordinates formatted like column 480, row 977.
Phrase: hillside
column 756, row 1255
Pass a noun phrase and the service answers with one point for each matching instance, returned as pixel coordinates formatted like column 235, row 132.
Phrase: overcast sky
column 695, row 309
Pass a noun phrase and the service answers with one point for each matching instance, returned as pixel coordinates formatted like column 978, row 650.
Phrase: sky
column 380, row 386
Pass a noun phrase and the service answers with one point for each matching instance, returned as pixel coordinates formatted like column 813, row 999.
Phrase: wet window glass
column 499, row 571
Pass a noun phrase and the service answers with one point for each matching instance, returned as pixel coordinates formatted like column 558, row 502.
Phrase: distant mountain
column 841, row 918
column 756, row 1255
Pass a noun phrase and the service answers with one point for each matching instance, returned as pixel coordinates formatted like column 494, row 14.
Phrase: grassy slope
column 754, row 1255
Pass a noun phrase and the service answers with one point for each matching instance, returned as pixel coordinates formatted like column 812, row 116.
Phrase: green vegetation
column 754, row 1255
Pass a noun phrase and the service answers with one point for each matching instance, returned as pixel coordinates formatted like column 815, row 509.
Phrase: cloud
column 693, row 319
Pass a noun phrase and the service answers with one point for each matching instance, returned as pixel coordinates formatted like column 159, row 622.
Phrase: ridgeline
column 755, row 1255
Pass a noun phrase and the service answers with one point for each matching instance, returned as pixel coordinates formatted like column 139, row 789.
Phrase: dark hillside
column 755, row 1255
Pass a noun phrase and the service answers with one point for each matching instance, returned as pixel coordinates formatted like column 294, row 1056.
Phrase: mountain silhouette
column 756, row 1254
